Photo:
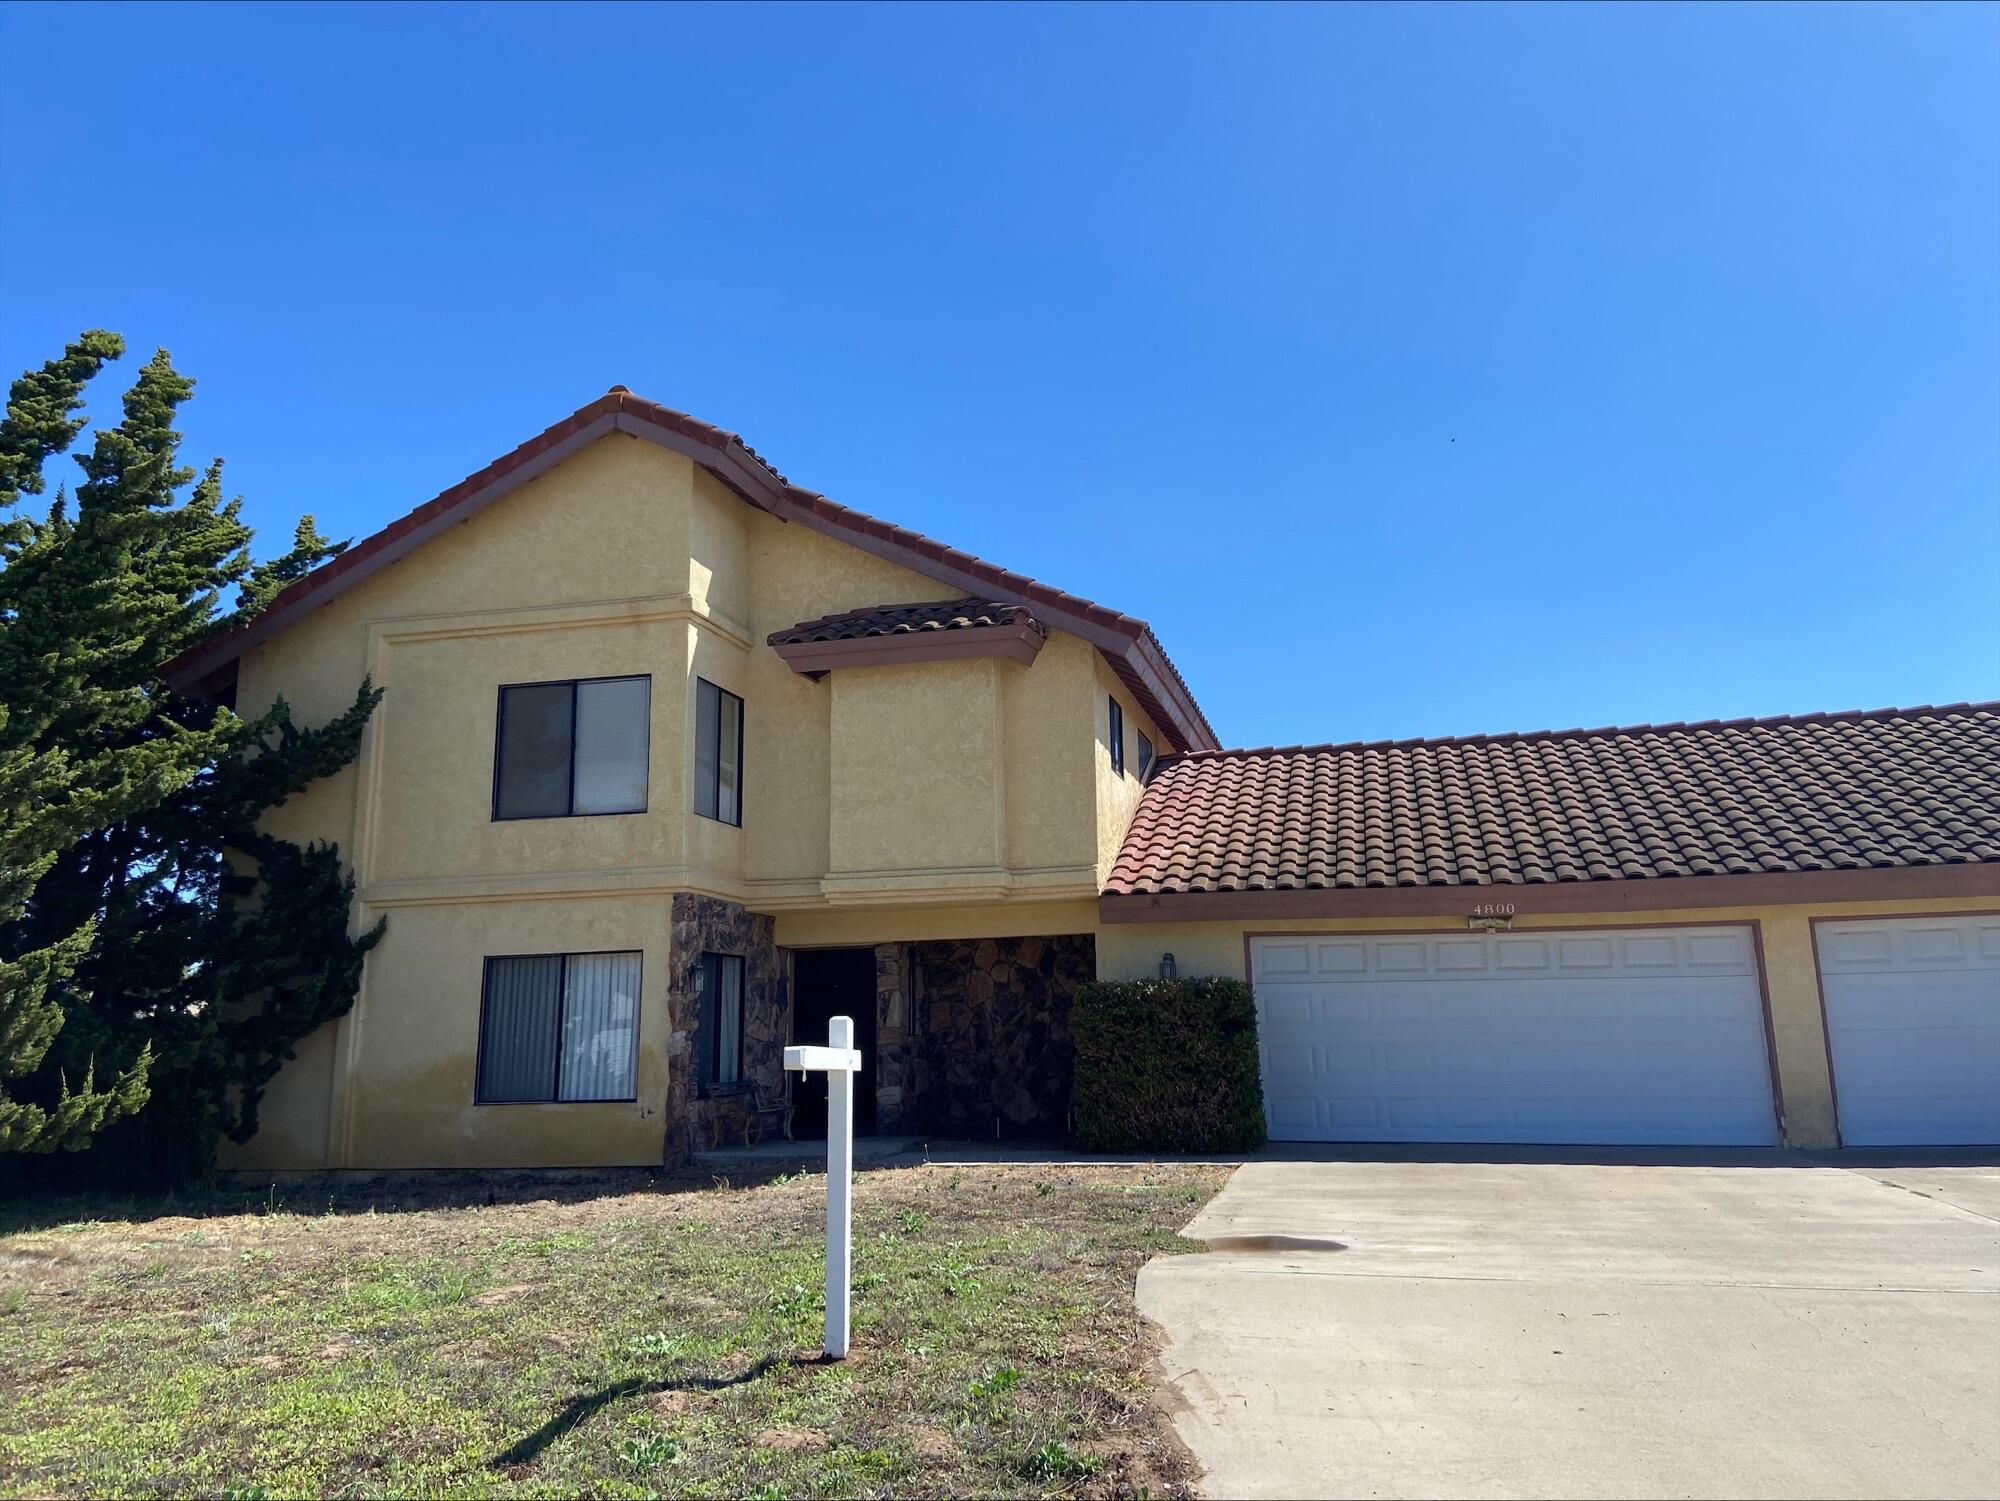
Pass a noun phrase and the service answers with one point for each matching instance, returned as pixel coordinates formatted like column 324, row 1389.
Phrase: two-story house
column 676, row 760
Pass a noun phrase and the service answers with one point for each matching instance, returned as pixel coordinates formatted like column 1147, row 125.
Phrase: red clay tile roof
column 903, row 620
column 1886, row 787
column 1128, row 644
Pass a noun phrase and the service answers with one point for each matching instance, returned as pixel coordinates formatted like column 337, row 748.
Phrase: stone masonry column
column 892, row 1038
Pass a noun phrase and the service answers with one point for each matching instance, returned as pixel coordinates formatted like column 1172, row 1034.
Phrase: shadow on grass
column 583, row 1405
column 27, row 1206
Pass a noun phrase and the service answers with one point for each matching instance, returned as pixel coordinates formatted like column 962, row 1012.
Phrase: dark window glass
column 719, row 1029
column 1145, row 756
column 1117, row 738
column 533, row 773
column 518, row 1029
column 718, row 753
column 572, row 748
column 559, row 1027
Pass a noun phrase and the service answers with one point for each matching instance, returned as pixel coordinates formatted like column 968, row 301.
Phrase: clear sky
column 1415, row 370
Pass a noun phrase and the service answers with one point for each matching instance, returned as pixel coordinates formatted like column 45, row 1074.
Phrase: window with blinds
column 559, row 1027
column 718, row 753
column 719, row 1027
column 570, row 749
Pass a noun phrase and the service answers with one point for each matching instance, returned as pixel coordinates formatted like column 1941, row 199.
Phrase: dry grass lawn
column 620, row 1334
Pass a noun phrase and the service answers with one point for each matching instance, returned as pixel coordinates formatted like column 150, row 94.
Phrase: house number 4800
column 1494, row 909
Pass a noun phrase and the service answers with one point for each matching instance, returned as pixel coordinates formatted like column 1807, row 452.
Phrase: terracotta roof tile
column 902, row 620
column 1883, row 787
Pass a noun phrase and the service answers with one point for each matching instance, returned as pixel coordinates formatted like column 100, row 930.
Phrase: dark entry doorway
column 827, row 983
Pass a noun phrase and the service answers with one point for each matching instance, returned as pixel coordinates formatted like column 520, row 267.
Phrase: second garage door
column 1647, row 1036
column 1913, row 1020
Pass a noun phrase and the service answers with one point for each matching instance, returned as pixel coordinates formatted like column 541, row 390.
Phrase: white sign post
column 841, row 1061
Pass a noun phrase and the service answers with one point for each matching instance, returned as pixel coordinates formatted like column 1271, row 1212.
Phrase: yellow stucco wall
column 396, row 1085
column 917, row 768
column 1132, row 950
column 944, row 800
column 916, row 924
column 1118, row 793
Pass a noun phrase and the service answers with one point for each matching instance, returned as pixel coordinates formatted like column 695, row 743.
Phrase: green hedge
column 1167, row 1066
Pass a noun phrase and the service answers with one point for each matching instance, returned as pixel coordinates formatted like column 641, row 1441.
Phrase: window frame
column 562, row 1003
column 1147, row 756
column 1117, row 736
column 707, row 1085
column 500, row 741
column 695, row 778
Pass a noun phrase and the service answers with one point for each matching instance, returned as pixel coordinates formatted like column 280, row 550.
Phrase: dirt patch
column 794, row 1440
column 502, row 1295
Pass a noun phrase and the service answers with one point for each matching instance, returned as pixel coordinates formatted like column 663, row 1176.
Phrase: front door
column 827, row 983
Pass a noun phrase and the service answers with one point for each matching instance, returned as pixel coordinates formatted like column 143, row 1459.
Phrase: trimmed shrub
column 1167, row 1066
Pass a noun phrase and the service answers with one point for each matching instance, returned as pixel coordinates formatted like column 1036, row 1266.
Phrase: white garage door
column 1913, row 1017
column 1651, row 1035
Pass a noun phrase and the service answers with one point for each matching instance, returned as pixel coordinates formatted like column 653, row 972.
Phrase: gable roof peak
column 1127, row 644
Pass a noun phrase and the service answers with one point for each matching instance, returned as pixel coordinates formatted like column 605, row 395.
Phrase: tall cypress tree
column 149, row 933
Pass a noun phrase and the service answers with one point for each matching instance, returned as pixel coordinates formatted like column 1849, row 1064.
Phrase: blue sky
column 1415, row 370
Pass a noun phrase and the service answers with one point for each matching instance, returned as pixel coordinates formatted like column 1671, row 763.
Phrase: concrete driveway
column 1546, row 1329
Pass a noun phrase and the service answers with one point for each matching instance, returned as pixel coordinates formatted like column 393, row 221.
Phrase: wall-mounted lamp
column 700, row 979
column 1168, row 969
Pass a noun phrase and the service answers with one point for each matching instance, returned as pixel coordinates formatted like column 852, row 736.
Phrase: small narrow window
column 559, row 1027
column 1145, row 756
column 567, row 749
column 1117, row 738
column 719, row 1028
column 718, row 753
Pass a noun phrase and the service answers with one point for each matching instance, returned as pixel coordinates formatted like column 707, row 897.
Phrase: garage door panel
column 1359, row 1112
column 1581, row 954
column 1913, row 1026
column 1928, row 943
column 1342, row 958
column 1883, row 1006
column 1401, row 958
column 1515, row 955
column 1585, row 1038
column 1650, row 952
column 1467, row 1007
column 1291, row 1008
column 1462, row 954
column 1279, row 959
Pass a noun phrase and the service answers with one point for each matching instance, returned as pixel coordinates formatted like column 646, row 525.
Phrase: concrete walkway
column 1589, row 1329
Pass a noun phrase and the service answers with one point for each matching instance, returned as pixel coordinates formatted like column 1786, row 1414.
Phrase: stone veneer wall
column 705, row 924
column 991, row 1024
column 894, row 1058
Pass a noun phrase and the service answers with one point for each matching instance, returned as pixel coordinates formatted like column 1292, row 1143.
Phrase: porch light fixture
column 1168, row 969
column 700, row 979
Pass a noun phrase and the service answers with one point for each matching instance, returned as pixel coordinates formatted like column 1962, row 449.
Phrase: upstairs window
column 568, row 749
column 1145, row 756
column 1117, row 738
column 718, row 1033
column 559, row 1027
column 718, row 753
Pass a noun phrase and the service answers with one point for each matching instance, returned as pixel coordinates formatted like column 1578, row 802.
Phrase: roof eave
column 1533, row 899
column 1126, row 642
